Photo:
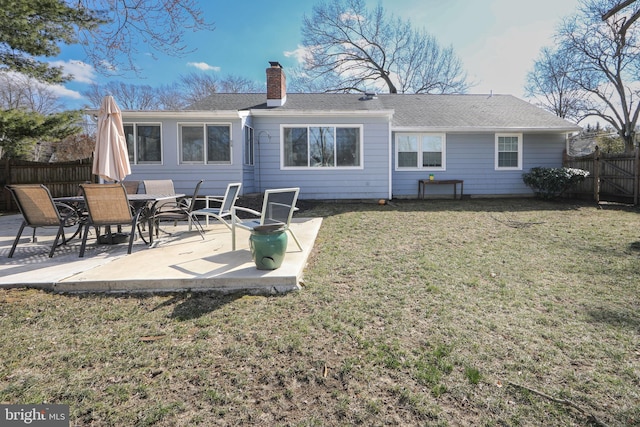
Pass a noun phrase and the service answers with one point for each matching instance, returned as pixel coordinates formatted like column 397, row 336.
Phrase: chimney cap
column 275, row 64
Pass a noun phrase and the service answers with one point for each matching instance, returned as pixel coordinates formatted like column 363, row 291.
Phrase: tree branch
column 566, row 402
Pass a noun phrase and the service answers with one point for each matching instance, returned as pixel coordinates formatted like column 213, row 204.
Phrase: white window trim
column 510, row 168
column 204, row 133
column 321, row 168
column 419, row 135
column 135, row 145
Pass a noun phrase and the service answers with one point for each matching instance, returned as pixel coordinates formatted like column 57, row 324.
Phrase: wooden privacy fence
column 612, row 177
column 62, row 179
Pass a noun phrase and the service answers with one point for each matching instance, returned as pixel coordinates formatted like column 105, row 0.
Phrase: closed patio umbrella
column 110, row 158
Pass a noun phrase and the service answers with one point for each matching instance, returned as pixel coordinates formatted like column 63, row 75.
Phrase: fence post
column 636, row 165
column 596, row 175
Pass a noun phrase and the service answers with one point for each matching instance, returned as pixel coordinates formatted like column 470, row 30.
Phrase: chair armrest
column 208, row 199
column 251, row 211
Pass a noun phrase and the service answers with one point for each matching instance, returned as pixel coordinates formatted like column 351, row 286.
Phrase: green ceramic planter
column 268, row 246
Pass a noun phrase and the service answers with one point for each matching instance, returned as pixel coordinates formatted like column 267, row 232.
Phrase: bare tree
column 188, row 90
column 128, row 96
column 606, row 62
column 237, row 84
column 610, row 10
column 550, row 85
column 112, row 32
column 18, row 91
column 171, row 97
column 352, row 48
column 197, row 86
column 154, row 25
column 74, row 147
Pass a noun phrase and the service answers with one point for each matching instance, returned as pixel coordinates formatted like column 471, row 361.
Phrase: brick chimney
column 276, row 85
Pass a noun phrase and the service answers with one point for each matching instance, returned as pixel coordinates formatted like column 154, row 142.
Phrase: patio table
column 145, row 205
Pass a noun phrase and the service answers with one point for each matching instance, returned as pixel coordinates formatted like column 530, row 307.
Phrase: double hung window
column 420, row 151
column 508, row 151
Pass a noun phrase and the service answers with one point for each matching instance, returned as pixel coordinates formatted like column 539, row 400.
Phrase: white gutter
column 182, row 114
column 480, row 129
column 322, row 113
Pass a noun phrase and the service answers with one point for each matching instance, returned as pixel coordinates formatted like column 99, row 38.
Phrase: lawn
column 430, row 313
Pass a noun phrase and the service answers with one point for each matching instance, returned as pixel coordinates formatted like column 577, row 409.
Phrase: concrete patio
column 181, row 261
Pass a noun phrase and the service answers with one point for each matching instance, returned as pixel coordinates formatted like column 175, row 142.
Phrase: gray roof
column 446, row 112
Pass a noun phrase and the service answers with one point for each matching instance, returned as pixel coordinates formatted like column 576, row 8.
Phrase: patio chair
column 223, row 212
column 182, row 210
column 131, row 186
column 161, row 187
column 107, row 205
column 277, row 209
column 38, row 210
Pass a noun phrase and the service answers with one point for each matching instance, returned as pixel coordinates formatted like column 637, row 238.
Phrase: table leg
column 143, row 213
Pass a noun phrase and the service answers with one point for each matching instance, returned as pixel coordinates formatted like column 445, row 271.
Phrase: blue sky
column 497, row 40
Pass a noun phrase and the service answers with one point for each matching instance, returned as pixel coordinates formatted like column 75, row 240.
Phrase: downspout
column 390, row 179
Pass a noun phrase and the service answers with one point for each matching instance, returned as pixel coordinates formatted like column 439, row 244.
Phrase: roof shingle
column 450, row 112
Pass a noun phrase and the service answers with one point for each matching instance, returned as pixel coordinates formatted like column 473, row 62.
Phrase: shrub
column 552, row 182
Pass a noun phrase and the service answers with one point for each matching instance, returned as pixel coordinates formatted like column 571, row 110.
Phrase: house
column 346, row 146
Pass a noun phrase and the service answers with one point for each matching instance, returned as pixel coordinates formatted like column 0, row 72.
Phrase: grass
column 438, row 313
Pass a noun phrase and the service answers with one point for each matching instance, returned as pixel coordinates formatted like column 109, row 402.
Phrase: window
column 248, row 146
column 322, row 146
column 420, row 151
column 210, row 142
column 143, row 143
column 509, row 151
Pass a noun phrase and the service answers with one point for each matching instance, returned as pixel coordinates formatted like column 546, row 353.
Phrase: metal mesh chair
column 131, row 186
column 182, row 210
column 38, row 210
column 224, row 211
column 107, row 205
column 162, row 187
column 277, row 209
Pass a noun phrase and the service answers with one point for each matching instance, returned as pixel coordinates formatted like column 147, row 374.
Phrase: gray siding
column 370, row 182
column 186, row 176
column 471, row 157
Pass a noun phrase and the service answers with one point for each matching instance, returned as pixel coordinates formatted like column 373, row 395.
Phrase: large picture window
column 420, row 151
column 509, row 151
column 143, row 143
column 321, row 146
column 209, row 144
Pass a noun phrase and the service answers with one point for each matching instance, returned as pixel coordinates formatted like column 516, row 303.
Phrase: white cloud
column 301, row 54
column 81, row 71
column 64, row 92
column 57, row 89
column 203, row 66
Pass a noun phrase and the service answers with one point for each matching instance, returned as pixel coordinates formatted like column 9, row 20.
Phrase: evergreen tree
column 20, row 129
column 31, row 29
